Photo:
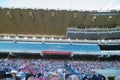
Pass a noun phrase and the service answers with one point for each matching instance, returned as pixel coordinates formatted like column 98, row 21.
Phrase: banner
column 56, row 52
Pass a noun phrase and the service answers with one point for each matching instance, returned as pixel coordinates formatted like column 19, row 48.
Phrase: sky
column 63, row 4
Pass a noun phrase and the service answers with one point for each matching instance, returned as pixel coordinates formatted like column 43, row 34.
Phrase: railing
column 105, row 14
column 117, row 29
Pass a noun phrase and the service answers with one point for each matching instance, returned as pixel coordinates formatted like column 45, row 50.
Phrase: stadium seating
column 40, row 44
column 39, row 47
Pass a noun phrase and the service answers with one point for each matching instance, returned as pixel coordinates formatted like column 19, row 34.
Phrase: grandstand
column 60, row 42
column 42, row 22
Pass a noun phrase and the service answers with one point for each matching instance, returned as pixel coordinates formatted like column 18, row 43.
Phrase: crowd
column 84, row 68
column 54, row 69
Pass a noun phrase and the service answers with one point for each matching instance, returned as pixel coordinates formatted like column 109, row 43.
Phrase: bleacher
column 94, row 33
column 38, row 47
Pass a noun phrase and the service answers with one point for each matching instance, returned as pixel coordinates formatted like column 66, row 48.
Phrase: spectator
column 54, row 76
column 93, row 76
column 30, row 76
column 101, row 77
column 14, row 75
column 75, row 77
column 67, row 76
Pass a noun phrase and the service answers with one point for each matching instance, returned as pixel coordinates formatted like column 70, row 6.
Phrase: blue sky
column 63, row 4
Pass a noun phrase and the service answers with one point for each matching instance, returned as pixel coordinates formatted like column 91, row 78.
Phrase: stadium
column 50, row 44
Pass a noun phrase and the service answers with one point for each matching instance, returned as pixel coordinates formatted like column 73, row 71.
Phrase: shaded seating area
column 46, row 48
